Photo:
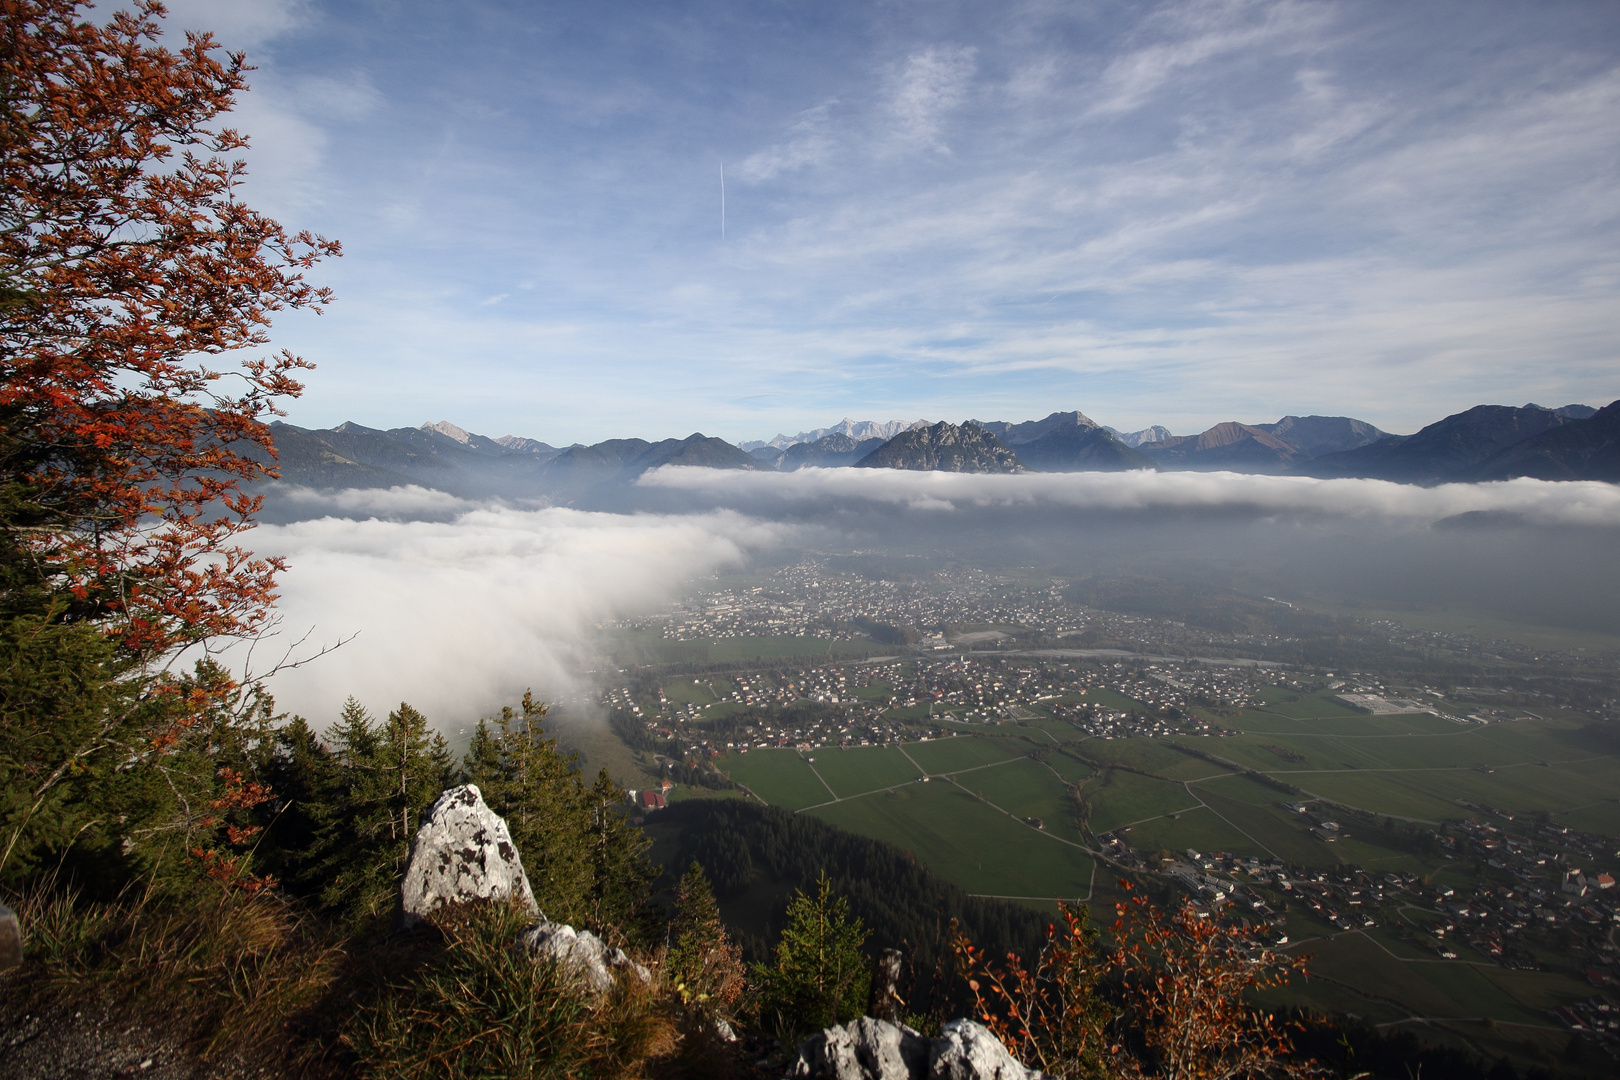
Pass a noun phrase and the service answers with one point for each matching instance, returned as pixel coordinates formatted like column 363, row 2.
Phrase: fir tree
column 701, row 963
column 819, row 977
column 386, row 776
column 585, row 863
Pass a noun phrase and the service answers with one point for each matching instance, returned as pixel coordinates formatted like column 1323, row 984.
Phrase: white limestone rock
column 865, row 1049
column 967, row 1051
column 868, row 1049
column 462, row 852
column 586, row 956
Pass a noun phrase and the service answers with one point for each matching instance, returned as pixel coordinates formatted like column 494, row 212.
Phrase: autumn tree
column 129, row 267
column 1171, row 996
column 1050, row 1014
column 1186, row 983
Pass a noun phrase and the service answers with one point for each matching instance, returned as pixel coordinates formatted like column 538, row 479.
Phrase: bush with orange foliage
column 1170, row 997
column 128, row 266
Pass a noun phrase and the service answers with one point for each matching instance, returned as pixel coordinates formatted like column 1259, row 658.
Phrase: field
column 863, row 768
column 967, row 823
column 780, row 777
column 967, row 806
column 967, row 841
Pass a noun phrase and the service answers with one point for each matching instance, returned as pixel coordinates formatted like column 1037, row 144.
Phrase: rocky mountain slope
column 945, row 447
column 1583, row 449
column 1449, row 449
column 1234, row 446
column 1079, row 446
column 829, row 451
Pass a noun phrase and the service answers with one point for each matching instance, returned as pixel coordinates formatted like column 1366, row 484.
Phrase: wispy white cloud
column 1575, row 503
column 458, row 617
column 809, row 143
column 1177, row 213
column 925, row 88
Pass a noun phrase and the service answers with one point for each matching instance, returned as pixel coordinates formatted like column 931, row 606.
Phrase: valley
column 1434, row 821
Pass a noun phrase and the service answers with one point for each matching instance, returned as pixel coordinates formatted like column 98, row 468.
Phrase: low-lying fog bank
column 459, row 606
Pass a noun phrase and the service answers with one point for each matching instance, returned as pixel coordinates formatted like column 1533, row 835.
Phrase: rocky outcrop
column 462, row 852
column 581, row 953
column 944, row 448
column 868, row 1049
column 10, row 939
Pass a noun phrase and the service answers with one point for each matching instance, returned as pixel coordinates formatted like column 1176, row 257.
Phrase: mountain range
column 1487, row 442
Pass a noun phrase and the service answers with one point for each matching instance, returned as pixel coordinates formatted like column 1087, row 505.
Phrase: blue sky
column 1179, row 213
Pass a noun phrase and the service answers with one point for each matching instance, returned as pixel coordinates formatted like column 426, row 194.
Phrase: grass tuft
column 475, row 1007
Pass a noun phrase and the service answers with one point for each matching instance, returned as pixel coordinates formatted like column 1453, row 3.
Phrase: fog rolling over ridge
column 459, row 616
column 457, row 606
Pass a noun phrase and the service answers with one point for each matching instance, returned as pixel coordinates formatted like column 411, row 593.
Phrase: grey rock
column 463, row 851
column 865, row 1049
column 10, row 939
column 967, row 1051
column 868, row 1049
column 584, row 955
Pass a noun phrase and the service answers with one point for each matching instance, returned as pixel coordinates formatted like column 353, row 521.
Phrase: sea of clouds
column 457, row 606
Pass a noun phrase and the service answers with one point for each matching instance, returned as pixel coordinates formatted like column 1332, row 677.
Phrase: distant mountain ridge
column 1452, row 449
column 857, row 430
column 1487, row 442
column 1133, row 439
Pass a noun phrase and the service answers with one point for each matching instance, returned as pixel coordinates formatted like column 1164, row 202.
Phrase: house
column 653, row 800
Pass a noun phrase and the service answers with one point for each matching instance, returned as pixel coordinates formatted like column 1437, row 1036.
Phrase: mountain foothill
column 1487, row 442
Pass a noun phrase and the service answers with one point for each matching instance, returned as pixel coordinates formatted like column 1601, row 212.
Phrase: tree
column 128, row 265
column 1169, row 998
column 386, row 776
column 819, row 976
column 1051, row 1017
column 701, row 963
column 1185, row 982
column 585, row 862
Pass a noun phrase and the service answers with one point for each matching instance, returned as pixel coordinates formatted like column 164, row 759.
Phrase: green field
column 966, row 841
column 1028, row 789
column 861, row 769
column 1200, row 829
column 780, row 777
column 1119, row 798
column 966, row 752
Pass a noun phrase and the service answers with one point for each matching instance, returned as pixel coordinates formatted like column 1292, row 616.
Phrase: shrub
column 477, row 1007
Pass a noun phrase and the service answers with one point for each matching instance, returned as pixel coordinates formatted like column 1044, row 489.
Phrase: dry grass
column 472, row 1006
column 223, row 971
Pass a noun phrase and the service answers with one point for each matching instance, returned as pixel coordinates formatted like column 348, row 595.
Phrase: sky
column 1177, row 213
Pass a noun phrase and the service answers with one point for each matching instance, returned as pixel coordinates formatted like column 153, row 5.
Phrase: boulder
column 868, row 1049
column 462, row 852
column 967, row 1051
column 865, row 1049
column 10, row 939
column 580, row 952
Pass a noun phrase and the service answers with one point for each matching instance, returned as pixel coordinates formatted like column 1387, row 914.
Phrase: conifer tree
column 386, row 776
column 622, row 877
column 702, row 963
column 585, row 863
column 819, row 976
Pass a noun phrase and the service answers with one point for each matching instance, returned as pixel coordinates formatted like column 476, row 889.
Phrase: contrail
column 722, row 200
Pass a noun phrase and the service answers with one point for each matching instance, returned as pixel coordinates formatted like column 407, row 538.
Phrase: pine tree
column 586, row 864
column 386, row 776
column 702, row 963
column 819, row 976
column 622, row 876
